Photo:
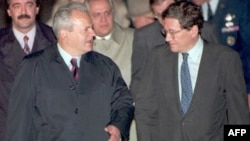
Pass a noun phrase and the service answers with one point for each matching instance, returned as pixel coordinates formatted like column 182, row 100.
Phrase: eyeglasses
column 171, row 32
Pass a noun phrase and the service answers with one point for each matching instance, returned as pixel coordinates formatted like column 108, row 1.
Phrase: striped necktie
column 26, row 48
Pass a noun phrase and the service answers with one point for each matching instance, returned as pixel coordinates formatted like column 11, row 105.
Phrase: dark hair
column 38, row 2
column 187, row 13
column 152, row 2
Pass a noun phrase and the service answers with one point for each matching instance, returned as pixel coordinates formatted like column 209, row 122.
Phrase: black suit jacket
column 51, row 105
column 219, row 97
column 149, row 37
column 11, row 56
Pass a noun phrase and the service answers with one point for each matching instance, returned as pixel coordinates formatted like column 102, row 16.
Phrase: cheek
column 110, row 19
column 33, row 12
column 96, row 22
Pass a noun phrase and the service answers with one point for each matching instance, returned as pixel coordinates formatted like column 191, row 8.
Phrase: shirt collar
column 107, row 37
column 196, row 51
column 31, row 34
column 67, row 57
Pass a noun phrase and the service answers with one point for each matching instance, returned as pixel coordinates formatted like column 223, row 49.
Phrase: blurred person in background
column 23, row 37
column 140, row 13
column 112, row 40
column 231, row 19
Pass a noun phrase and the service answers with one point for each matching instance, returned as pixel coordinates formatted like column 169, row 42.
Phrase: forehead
column 97, row 5
column 171, row 23
column 80, row 17
column 21, row 1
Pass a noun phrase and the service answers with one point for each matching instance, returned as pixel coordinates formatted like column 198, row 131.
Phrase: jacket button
column 183, row 123
column 76, row 111
column 72, row 87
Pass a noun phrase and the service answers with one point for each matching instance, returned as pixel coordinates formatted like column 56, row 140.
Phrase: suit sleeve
column 236, row 94
column 146, row 107
column 138, row 61
column 122, row 109
column 208, row 32
column 21, row 105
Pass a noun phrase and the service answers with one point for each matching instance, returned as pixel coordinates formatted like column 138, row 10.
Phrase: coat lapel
column 204, row 75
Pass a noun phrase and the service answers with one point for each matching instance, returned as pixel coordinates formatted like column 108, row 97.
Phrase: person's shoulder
column 161, row 49
column 126, row 30
column 34, row 55
column 5, row 31
column 237, row 5
column 94, row 55
column 230, row 2
column 121, row 34
column 149, row 28
column 6, row 36
column 98, row 58
column 47, row 31
column 218, row 48
column 44, row 26
column 45, row 53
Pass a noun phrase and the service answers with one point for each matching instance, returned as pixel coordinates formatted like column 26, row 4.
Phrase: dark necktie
column 209, row 13
column 26, row 48
column 74, row 68
column 186, row 85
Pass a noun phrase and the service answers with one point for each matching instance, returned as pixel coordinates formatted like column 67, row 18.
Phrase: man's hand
column 114, row 133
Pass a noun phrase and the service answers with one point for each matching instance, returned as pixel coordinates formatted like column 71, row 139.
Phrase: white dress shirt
column 31, row 34
column 194, row 59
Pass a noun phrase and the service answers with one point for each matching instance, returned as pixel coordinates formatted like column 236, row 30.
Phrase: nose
column 103, row 18
column 23, row 10
column 168, row 37
column 91, row 32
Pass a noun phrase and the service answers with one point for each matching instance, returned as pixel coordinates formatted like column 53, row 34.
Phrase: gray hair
column 110, row 3
column 61, row 19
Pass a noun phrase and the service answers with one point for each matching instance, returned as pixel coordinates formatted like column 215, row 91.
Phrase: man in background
column 140, row 13
column 24, row 36
column 232, row 21
column 112, row 40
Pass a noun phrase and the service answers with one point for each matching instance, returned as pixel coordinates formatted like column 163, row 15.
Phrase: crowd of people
column 123, row 70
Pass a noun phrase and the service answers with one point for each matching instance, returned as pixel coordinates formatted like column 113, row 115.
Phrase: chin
column 173, row 50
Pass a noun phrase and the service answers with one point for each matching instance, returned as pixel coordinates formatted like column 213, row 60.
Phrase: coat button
column 76, row 111
column 72, row 87
column 183, row 123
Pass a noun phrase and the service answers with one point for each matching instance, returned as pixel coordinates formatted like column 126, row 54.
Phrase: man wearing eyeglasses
column 151, row 36
column 191, row 87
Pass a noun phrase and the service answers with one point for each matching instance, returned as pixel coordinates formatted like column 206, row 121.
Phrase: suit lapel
column 59, row 67
column 12, row 51
column 203, row 77
column 169, row 80
column 40, row 42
